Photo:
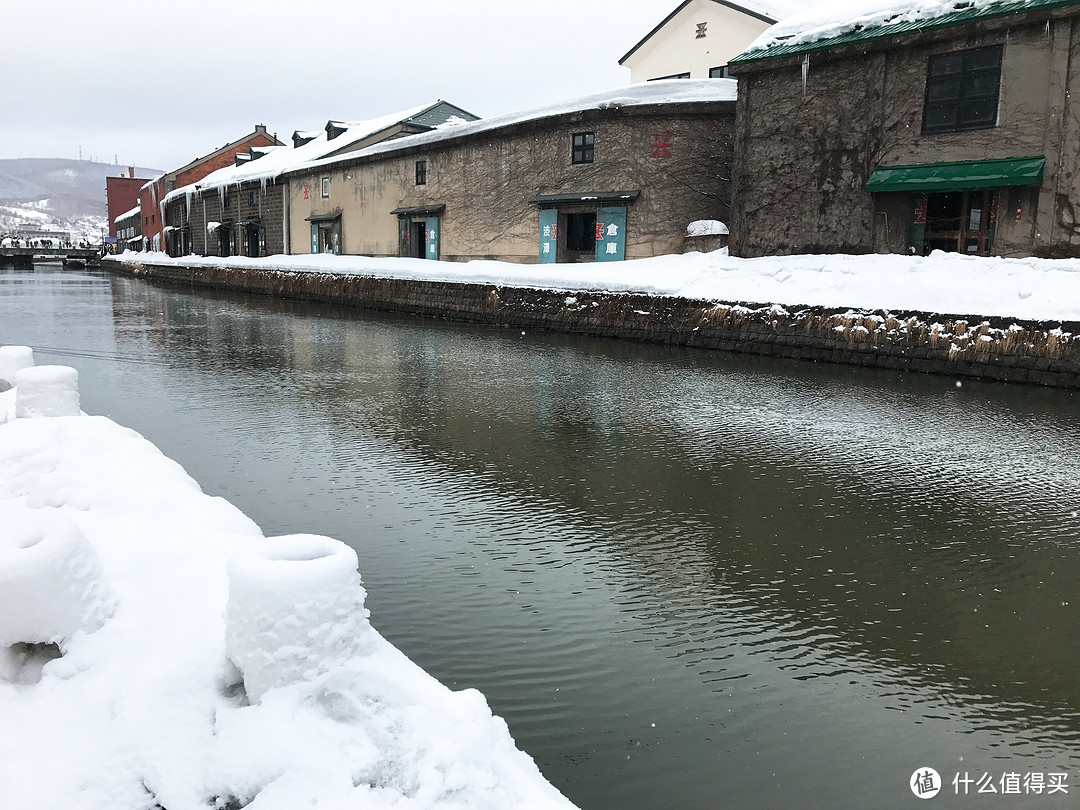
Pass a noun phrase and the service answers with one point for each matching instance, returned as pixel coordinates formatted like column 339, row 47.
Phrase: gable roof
column 260, row 129
column 768, row 11
column 275, row 161
column 843, row 22
column 644, row 94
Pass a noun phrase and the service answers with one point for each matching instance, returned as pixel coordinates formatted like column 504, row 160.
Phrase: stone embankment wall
column 962, row 346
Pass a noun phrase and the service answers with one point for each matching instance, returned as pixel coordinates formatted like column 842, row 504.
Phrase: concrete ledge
column 957, row 345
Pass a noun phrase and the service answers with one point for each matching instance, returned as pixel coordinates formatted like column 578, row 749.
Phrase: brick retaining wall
column 963, row 346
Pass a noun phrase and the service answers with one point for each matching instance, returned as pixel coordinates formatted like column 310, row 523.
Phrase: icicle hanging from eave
column 805, row 71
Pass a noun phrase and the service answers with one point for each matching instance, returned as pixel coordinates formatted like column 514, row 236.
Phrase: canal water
column 685, row 579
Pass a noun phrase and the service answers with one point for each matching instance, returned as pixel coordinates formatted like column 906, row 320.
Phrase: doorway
column 581, row 237
column 960, row 221
column 419, row 240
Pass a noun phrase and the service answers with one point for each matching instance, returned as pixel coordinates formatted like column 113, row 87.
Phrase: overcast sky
column 157, row 84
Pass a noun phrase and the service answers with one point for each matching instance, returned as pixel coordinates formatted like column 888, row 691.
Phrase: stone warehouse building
column 951, row 126
column 604, row 177
column 240, row 209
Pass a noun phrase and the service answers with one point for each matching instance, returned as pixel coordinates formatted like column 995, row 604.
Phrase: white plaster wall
column 676, row 49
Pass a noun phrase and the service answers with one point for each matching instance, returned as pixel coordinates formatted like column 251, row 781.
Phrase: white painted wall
column 676, row 49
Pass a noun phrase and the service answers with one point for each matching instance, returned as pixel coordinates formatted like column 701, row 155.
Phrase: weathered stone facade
column 482, row 187
column 806, row 147
column 253, row 213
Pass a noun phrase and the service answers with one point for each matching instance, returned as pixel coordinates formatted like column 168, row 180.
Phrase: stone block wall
column 962, row 346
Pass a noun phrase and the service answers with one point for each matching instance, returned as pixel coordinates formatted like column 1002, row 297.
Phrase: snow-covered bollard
column 295, row 610
column 51, row 579
column 46, row 391
column 14, row 359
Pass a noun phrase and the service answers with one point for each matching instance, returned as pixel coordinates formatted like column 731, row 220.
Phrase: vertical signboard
column 314, row 237
column 918, row 226
column 431, row 238
column 549, row 235
column 611, row 233
column 403, row 240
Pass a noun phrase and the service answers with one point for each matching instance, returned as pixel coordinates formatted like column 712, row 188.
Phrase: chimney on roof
column 131, row 171
column 261, row 128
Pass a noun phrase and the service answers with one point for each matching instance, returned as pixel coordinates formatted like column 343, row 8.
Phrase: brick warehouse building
column 153, row 193
column 121, row 195
column 604, row 177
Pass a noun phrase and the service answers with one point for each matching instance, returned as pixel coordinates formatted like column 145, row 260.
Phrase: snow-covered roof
column 277, row 160
column 837, row 22
column 664, row 91
column 137, row 209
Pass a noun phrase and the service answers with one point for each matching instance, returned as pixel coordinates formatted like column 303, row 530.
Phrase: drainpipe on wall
column 285, row 205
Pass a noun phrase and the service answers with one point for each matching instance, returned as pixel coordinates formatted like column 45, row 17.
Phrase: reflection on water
column 685, row 579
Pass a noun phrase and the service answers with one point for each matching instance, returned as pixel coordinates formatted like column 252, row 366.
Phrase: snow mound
column 148, row 709
column 295, row 610
column 46, row 391
column 50, row 579
column 706, row 227
column 14, row 359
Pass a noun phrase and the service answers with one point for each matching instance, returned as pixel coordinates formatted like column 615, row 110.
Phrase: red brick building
column 121, row 195
column 153, row 192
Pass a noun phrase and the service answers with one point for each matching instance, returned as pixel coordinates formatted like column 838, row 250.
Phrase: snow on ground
column 946, row 283
column 134, row 610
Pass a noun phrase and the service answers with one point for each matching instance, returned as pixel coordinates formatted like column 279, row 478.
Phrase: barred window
column 962, row 90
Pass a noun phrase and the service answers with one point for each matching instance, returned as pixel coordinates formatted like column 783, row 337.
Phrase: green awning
column 1027, row 171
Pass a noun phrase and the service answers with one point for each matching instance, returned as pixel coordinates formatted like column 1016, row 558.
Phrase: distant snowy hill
column 57, row 193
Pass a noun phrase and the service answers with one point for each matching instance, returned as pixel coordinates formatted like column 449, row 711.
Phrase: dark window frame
column 421, row 172
column 583, row 147
column 324, row 187
column 959, row 97
column 720, row 72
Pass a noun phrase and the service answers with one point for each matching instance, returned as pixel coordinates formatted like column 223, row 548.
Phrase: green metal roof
column 1026, row 171
column 969, row 13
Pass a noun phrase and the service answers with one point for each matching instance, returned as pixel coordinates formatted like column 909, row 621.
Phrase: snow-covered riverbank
column 157, row 650
column 1025, row 289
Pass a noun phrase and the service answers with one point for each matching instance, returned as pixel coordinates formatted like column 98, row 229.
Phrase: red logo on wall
column 920, row 211
column 305, row 191
column 661, row 142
